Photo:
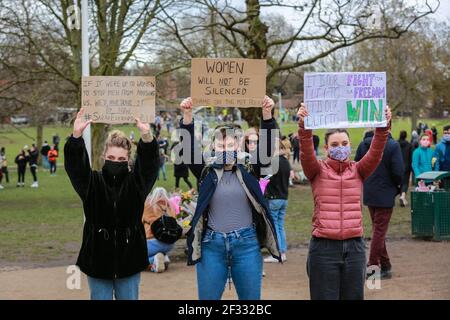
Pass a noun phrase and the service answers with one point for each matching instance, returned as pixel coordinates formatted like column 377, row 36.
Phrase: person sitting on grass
column 156, row 205
column 114, row 250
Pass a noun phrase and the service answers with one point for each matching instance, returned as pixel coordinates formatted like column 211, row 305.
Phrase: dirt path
column 421, row 270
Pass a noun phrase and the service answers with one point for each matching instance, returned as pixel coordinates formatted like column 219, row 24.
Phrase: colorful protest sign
column 117, row 100
column 228, row 82
column 345, row 99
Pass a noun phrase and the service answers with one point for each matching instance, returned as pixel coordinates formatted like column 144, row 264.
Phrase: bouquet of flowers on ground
column 184, row 204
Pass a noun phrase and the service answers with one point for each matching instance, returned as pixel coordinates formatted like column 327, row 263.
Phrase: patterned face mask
column 225, row 157
column 340, row 153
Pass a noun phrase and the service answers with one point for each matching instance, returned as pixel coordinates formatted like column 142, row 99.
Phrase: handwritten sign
column 345, row 99
column 117, row 100
column 228, row 82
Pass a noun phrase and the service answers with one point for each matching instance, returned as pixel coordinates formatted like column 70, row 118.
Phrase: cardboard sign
column 228, row 82
column 117, row 100
column 345, row 99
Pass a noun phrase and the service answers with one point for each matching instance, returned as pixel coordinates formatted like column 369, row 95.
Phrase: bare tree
column 49, row 31
column 321, row 27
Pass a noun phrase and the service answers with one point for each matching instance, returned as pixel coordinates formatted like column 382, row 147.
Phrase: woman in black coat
column 180, row 169
column 21, row 161
column 114, row 248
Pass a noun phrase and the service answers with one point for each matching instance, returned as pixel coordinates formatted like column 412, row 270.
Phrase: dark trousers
column 21, row 174
column 6, row 173
column 52, row 167
column 33, row 170
column 296, row 155
column 336, row 269
column 186, row 179
column 380, row 222
column 405, row 181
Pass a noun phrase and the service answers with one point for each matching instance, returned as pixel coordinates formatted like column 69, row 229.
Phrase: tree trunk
column 39, row 139
column 99, row 133
column 256, row 49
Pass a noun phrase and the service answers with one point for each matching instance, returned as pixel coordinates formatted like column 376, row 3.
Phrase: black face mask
column 117, row 169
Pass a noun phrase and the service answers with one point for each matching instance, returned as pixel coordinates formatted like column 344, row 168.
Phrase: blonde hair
column 157, row 194
column 117, row 138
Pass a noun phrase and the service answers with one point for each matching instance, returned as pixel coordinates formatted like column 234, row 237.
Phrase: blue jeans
column 163, row 170
column 236, row 254
column 278, row 212
column 123, row 289
column 155, row 246
column 336, row 269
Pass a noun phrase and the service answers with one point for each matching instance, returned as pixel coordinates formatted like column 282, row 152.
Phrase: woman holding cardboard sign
column 232, row 218
column 114, row 248
column 337, row 260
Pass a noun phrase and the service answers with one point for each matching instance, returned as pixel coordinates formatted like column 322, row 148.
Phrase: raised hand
column 144, row 128
column 80, row 123
column 302, row 112
column 267, row 107
column 186, row 107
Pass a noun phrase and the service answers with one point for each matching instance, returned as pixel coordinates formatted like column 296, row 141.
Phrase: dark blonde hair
column 117, row 138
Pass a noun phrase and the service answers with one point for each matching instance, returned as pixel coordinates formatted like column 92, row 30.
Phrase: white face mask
column 446, row 137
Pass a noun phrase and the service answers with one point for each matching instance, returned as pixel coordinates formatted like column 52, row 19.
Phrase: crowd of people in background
column 32, row 158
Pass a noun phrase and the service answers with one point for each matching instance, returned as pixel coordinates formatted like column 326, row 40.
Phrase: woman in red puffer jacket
column 337, row 259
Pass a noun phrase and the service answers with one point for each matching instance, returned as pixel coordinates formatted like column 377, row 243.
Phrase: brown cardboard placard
column 228, row 82
column 118, row 99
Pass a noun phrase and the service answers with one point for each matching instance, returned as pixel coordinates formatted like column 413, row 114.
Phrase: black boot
column 386, row 272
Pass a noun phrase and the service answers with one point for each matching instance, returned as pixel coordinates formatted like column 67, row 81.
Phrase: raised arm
column 191, row 147
column 147, row 159
column 308, row 159
column 76, row 159
column 369, row 163
column 268, row 124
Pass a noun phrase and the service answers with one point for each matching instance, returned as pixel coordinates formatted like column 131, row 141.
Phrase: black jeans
column 336, row 269
column 53, row 167
column 296, row 155
column 33, row 169
column 6, row 173
column 186, row 179
column 21, row 174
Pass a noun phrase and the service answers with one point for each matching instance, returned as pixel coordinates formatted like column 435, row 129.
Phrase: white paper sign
column 345, row 99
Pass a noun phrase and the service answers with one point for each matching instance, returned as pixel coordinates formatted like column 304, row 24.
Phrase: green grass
column 44, row 226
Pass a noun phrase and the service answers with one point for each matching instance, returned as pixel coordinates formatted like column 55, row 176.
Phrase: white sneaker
column 158, row 263
column 1, row 187
column 35, row 184
column 270, row 260
column 283, row 257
